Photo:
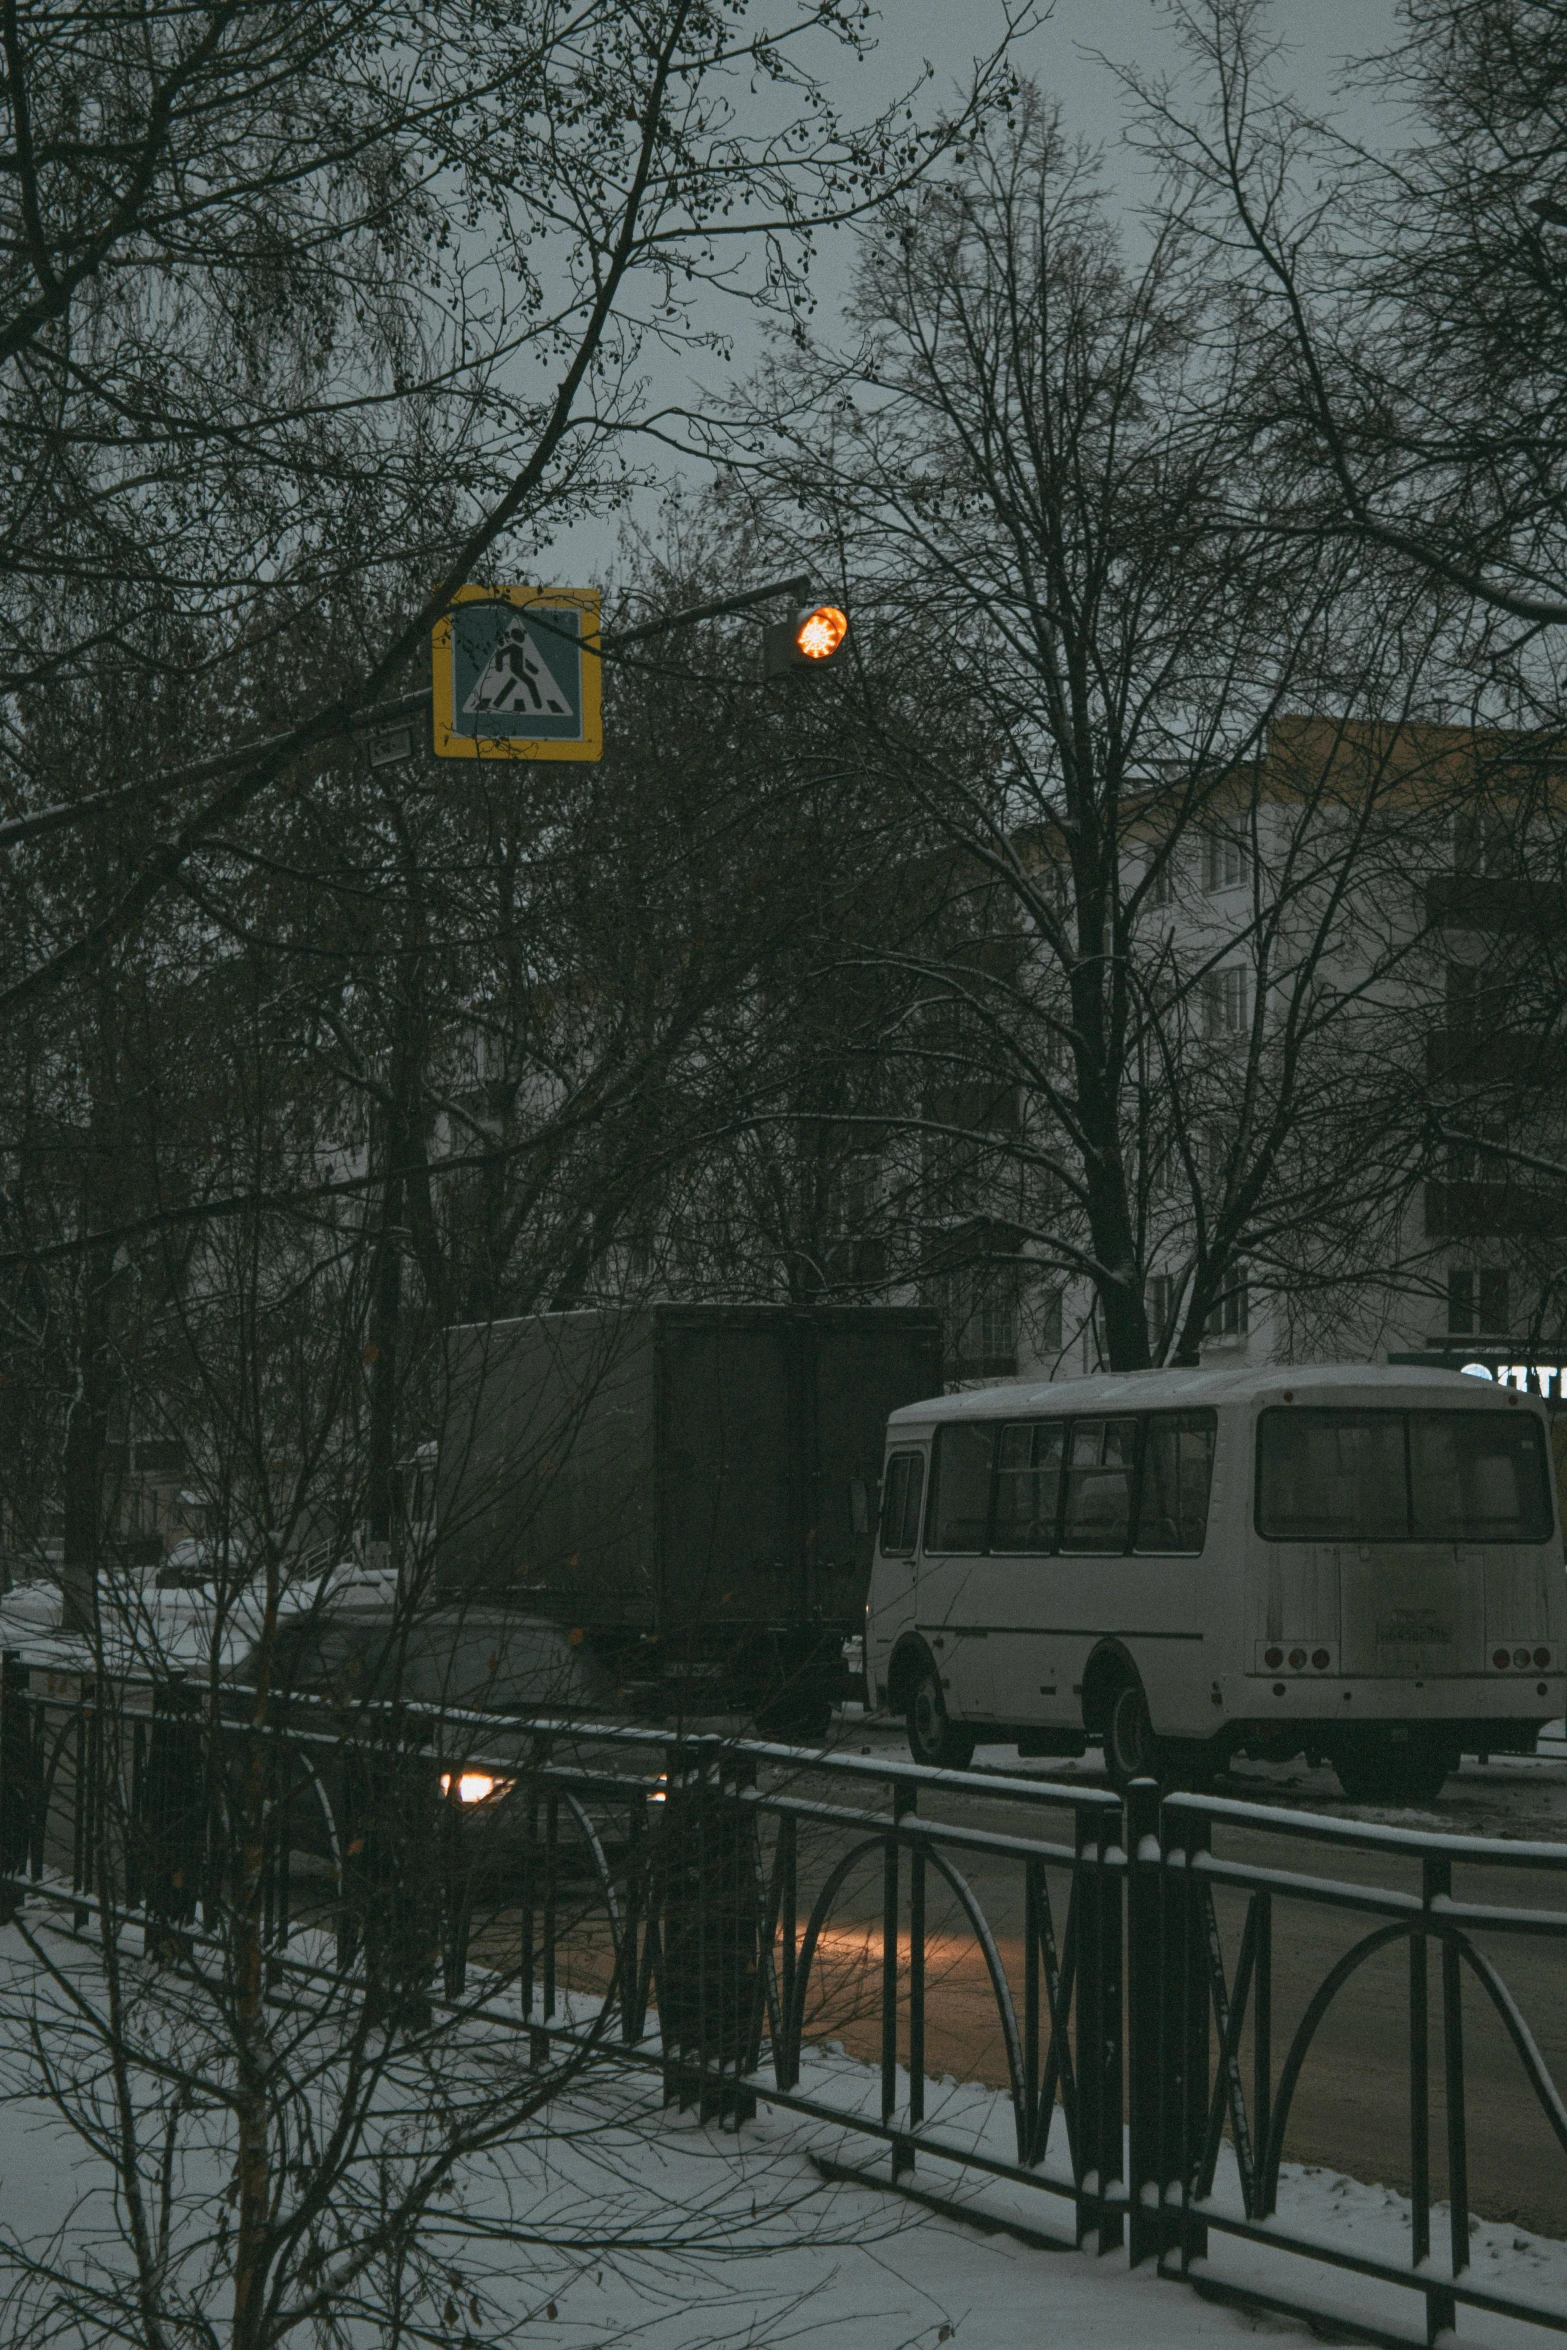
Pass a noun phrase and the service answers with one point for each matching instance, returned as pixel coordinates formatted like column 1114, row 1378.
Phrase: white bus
column 1360, row 1564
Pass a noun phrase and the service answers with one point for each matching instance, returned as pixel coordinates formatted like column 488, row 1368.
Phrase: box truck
column 686, row 1494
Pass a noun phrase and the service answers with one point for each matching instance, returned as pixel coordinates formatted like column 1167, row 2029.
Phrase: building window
column 997, row 1320
column 1476, row 1003
column 1477, row 1302
column 1484, row 842
column 858, row 1187
column 979, row 1308
column 1224, row 1000
column 1231, row 1317
column 1043, row 1313
column 1164, row 1297
column 1473, row 1159
column 1161, row 878
column 1223, row 858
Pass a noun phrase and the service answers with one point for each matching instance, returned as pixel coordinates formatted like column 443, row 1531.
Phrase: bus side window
column 1172, row 1507
column 960, row 1486
column 1029, row 1454
column 1099, row 1486
column 900, row 1508
column 894, row 1494
column 912, row 1500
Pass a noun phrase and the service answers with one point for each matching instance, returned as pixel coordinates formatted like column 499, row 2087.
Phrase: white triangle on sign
column 517, row 679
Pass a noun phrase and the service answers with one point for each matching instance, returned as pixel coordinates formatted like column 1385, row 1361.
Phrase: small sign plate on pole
column 516, row 674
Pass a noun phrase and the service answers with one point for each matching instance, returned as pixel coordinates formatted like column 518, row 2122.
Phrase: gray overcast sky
column 1060, row 55
column 1320, row 34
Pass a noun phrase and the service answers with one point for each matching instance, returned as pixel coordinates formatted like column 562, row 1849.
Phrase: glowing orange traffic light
column 808, row 641
column 821, row 632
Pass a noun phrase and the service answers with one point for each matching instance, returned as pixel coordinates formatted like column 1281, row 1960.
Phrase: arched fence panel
column 1389, row 1924
column 1128, row 2008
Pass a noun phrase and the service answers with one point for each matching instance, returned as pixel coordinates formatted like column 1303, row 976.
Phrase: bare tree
column 466, row 234
column 1402, row 312
column 1074, row 686
column 301, row 301
column 1401, row 318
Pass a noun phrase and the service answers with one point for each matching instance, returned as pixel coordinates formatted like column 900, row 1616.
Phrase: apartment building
column 1354, row 954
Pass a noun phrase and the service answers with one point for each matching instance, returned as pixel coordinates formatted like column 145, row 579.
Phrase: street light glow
column 821, row 632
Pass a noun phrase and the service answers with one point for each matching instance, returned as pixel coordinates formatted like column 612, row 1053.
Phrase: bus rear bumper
column 1449, row 1697
column 1461, row 1714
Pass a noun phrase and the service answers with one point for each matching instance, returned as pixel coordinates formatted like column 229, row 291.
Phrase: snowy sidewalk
column 624, row 2224
column 629, row 2226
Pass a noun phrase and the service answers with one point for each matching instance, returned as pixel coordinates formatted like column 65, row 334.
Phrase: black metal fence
column 1189, row 2032
column 739, row 1903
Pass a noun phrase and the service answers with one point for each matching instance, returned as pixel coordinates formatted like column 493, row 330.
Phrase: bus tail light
column 1273, row 1658
column 1501, row 1660
column 1521, row 1658
column 1542, row 1657
column 1321, row 1659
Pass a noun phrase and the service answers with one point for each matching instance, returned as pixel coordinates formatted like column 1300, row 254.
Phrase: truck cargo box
column 681, row 1472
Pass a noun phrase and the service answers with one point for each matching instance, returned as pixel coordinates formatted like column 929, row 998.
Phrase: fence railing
column 1189, row 2089
column 738, row 1902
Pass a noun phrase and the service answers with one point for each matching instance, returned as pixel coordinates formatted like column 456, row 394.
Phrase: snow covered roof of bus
column 1148, row 1390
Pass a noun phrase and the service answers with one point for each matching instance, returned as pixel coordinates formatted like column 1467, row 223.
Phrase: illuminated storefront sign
column 1530, row 1377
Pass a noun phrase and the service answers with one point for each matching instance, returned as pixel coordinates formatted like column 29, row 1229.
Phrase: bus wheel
column 1394, row 1774
column 796, row 1717
column 1191, row 1764
column 934, row 1738
column 1131, row 1749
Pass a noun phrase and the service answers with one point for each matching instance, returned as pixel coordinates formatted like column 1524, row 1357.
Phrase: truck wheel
column 934, row 1738
column 796, row 1718
column 1131, row 1749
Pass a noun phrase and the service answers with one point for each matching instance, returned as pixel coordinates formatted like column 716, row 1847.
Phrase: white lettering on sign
column 1519, row 1375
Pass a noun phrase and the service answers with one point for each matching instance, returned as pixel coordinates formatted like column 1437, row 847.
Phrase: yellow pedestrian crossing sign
column 516, row 674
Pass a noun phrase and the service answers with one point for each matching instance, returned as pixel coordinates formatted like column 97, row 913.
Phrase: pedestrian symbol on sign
column 516, row 675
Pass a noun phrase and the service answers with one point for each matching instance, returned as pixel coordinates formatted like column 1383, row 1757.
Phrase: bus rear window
column 1435, row 1476
column 1478, row 1477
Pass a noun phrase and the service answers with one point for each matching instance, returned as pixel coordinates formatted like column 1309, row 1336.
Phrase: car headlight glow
column 475, row 1786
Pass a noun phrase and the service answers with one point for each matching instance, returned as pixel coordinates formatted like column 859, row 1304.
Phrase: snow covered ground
column 621, row 2224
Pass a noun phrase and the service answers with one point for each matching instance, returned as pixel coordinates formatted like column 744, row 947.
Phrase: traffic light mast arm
column 138, row 795
column 799, row 585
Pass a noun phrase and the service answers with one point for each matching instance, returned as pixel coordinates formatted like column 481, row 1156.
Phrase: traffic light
column 807, row 642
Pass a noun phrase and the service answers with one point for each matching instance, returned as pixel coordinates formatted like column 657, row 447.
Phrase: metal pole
column 786, row 2063
column 1144, row 2000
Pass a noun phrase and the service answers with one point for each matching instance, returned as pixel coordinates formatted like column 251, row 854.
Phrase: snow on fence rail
column 731, row 1901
